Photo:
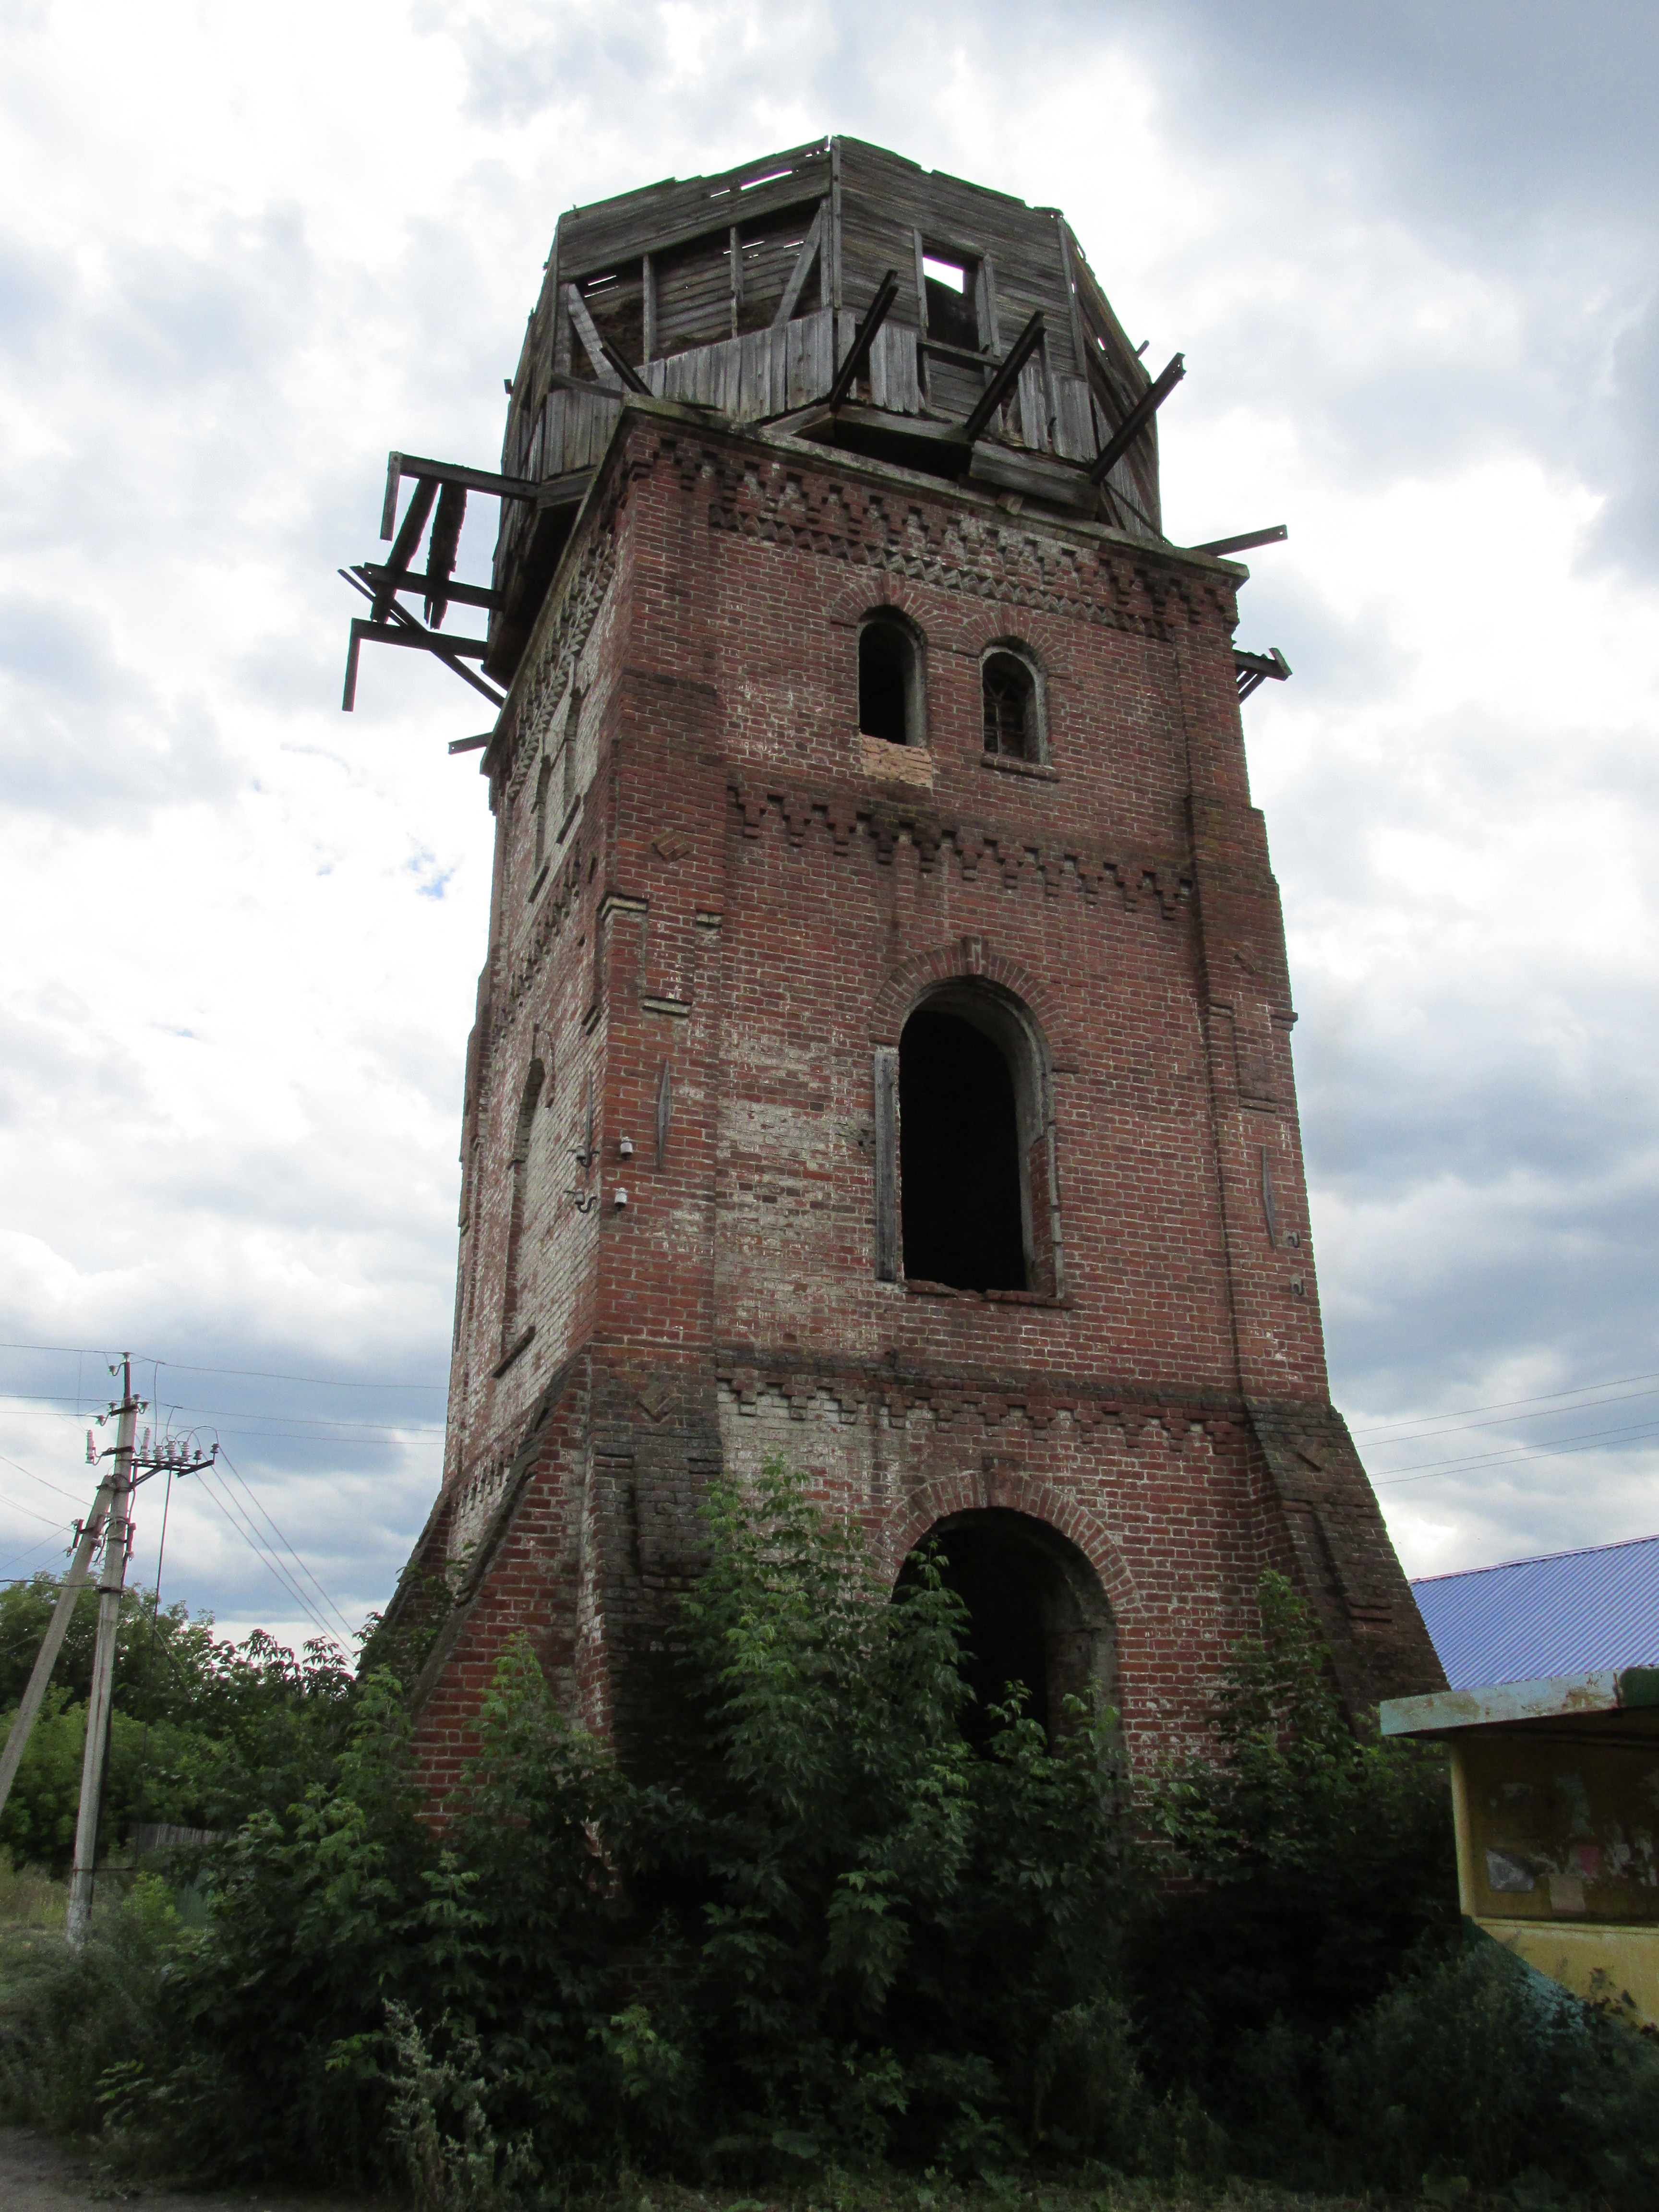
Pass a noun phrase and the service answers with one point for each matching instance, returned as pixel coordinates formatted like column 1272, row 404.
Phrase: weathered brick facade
column 716, row 903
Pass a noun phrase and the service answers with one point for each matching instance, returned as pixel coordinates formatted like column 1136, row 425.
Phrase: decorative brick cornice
column 901, row 531
column 981, row 849
column 962, row 1403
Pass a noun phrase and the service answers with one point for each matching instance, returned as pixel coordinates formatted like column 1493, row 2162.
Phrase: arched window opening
column 890, row 682
column 568, row 762
column 1038, row 1621
column 514, row 1304
column 962, row 1200
column 1010, row 688
column 544, row 779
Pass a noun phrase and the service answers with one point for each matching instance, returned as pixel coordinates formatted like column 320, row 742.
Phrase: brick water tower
column 883, row 1050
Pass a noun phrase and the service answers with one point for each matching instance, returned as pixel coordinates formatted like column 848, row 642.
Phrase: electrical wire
column 40, row 1478
column 1447, row 1470
column 14, row 1507
column 260, row 1374
column 305, row 1569
column 242, row 1413
column 1548, row 1398
column 227, row 1506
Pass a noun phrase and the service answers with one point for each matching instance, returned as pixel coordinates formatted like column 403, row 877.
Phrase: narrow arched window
column 514, row 1301
column 890, row 681
column 572, row 738
column 1013, row 727
column 543, row 779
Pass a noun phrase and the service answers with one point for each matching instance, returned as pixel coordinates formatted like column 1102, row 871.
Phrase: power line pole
column 51, row 1643
column 118, row 1543
column 130, row 1464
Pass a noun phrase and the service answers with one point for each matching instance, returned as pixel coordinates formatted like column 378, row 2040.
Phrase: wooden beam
column 443, row 472
column 408, row 537
column 600, row 351
column 648, row 305
column 1252, row 670
column 1137, row 419
column 470, row 744
column 445, row 544
column 424, row 641
column 810, row 248
column 864, row 337
column 1222, row 546
column 1002, row 385
column 463, row 595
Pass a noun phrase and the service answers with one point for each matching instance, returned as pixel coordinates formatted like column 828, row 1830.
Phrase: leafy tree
column 202, row 1731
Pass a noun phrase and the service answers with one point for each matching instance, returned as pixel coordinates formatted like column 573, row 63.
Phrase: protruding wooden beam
column 1242, row 544
column 1253, row 670
column 404, row 629
column 1001, row 387
column 1137, row 419
column 408, row 537
column 864, row 337
column 443, row 472
column 462, row 595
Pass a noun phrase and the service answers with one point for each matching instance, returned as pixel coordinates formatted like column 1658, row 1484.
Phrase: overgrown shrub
column 1319, row 1858
column 844, row 1937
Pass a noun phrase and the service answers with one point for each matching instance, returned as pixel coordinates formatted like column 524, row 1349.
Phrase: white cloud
column 242, row 254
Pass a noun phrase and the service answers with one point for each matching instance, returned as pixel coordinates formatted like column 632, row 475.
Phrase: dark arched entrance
column 1036, row 1612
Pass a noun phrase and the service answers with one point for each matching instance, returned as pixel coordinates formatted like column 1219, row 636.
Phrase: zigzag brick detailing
column 728, row 925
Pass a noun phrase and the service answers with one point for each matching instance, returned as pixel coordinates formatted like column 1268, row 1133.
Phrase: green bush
column 1319, row 1858
column 844, row 1938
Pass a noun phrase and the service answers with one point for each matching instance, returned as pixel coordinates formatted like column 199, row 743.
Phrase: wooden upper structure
column 747, row 292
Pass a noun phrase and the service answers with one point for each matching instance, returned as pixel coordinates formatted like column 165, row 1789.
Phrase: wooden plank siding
column 684, row 278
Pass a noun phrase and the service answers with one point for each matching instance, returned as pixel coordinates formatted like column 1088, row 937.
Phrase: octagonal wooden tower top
column 852, row 297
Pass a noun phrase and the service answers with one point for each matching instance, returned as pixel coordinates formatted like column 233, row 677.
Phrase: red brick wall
column 746, row 903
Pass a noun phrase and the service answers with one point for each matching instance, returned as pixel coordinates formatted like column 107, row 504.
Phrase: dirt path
column 38, row 2175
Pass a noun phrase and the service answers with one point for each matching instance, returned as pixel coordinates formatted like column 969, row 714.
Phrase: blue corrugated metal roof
column 1565, row 1614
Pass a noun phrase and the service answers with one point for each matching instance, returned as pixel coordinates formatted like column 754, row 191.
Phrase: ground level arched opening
column 1036, row 1613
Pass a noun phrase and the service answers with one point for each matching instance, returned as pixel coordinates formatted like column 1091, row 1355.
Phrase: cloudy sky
column 1409, row 254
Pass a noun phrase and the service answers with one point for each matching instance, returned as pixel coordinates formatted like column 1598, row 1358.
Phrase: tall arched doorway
column 1036, row 1612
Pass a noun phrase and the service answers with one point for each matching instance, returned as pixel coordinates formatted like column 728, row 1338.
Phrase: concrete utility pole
column 117, row 1546
column 51, row 1643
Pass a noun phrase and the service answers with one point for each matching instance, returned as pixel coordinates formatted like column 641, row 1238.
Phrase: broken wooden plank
column 1252, row 670
column 424, row 641
column 812, row 246
column 1033, row 476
